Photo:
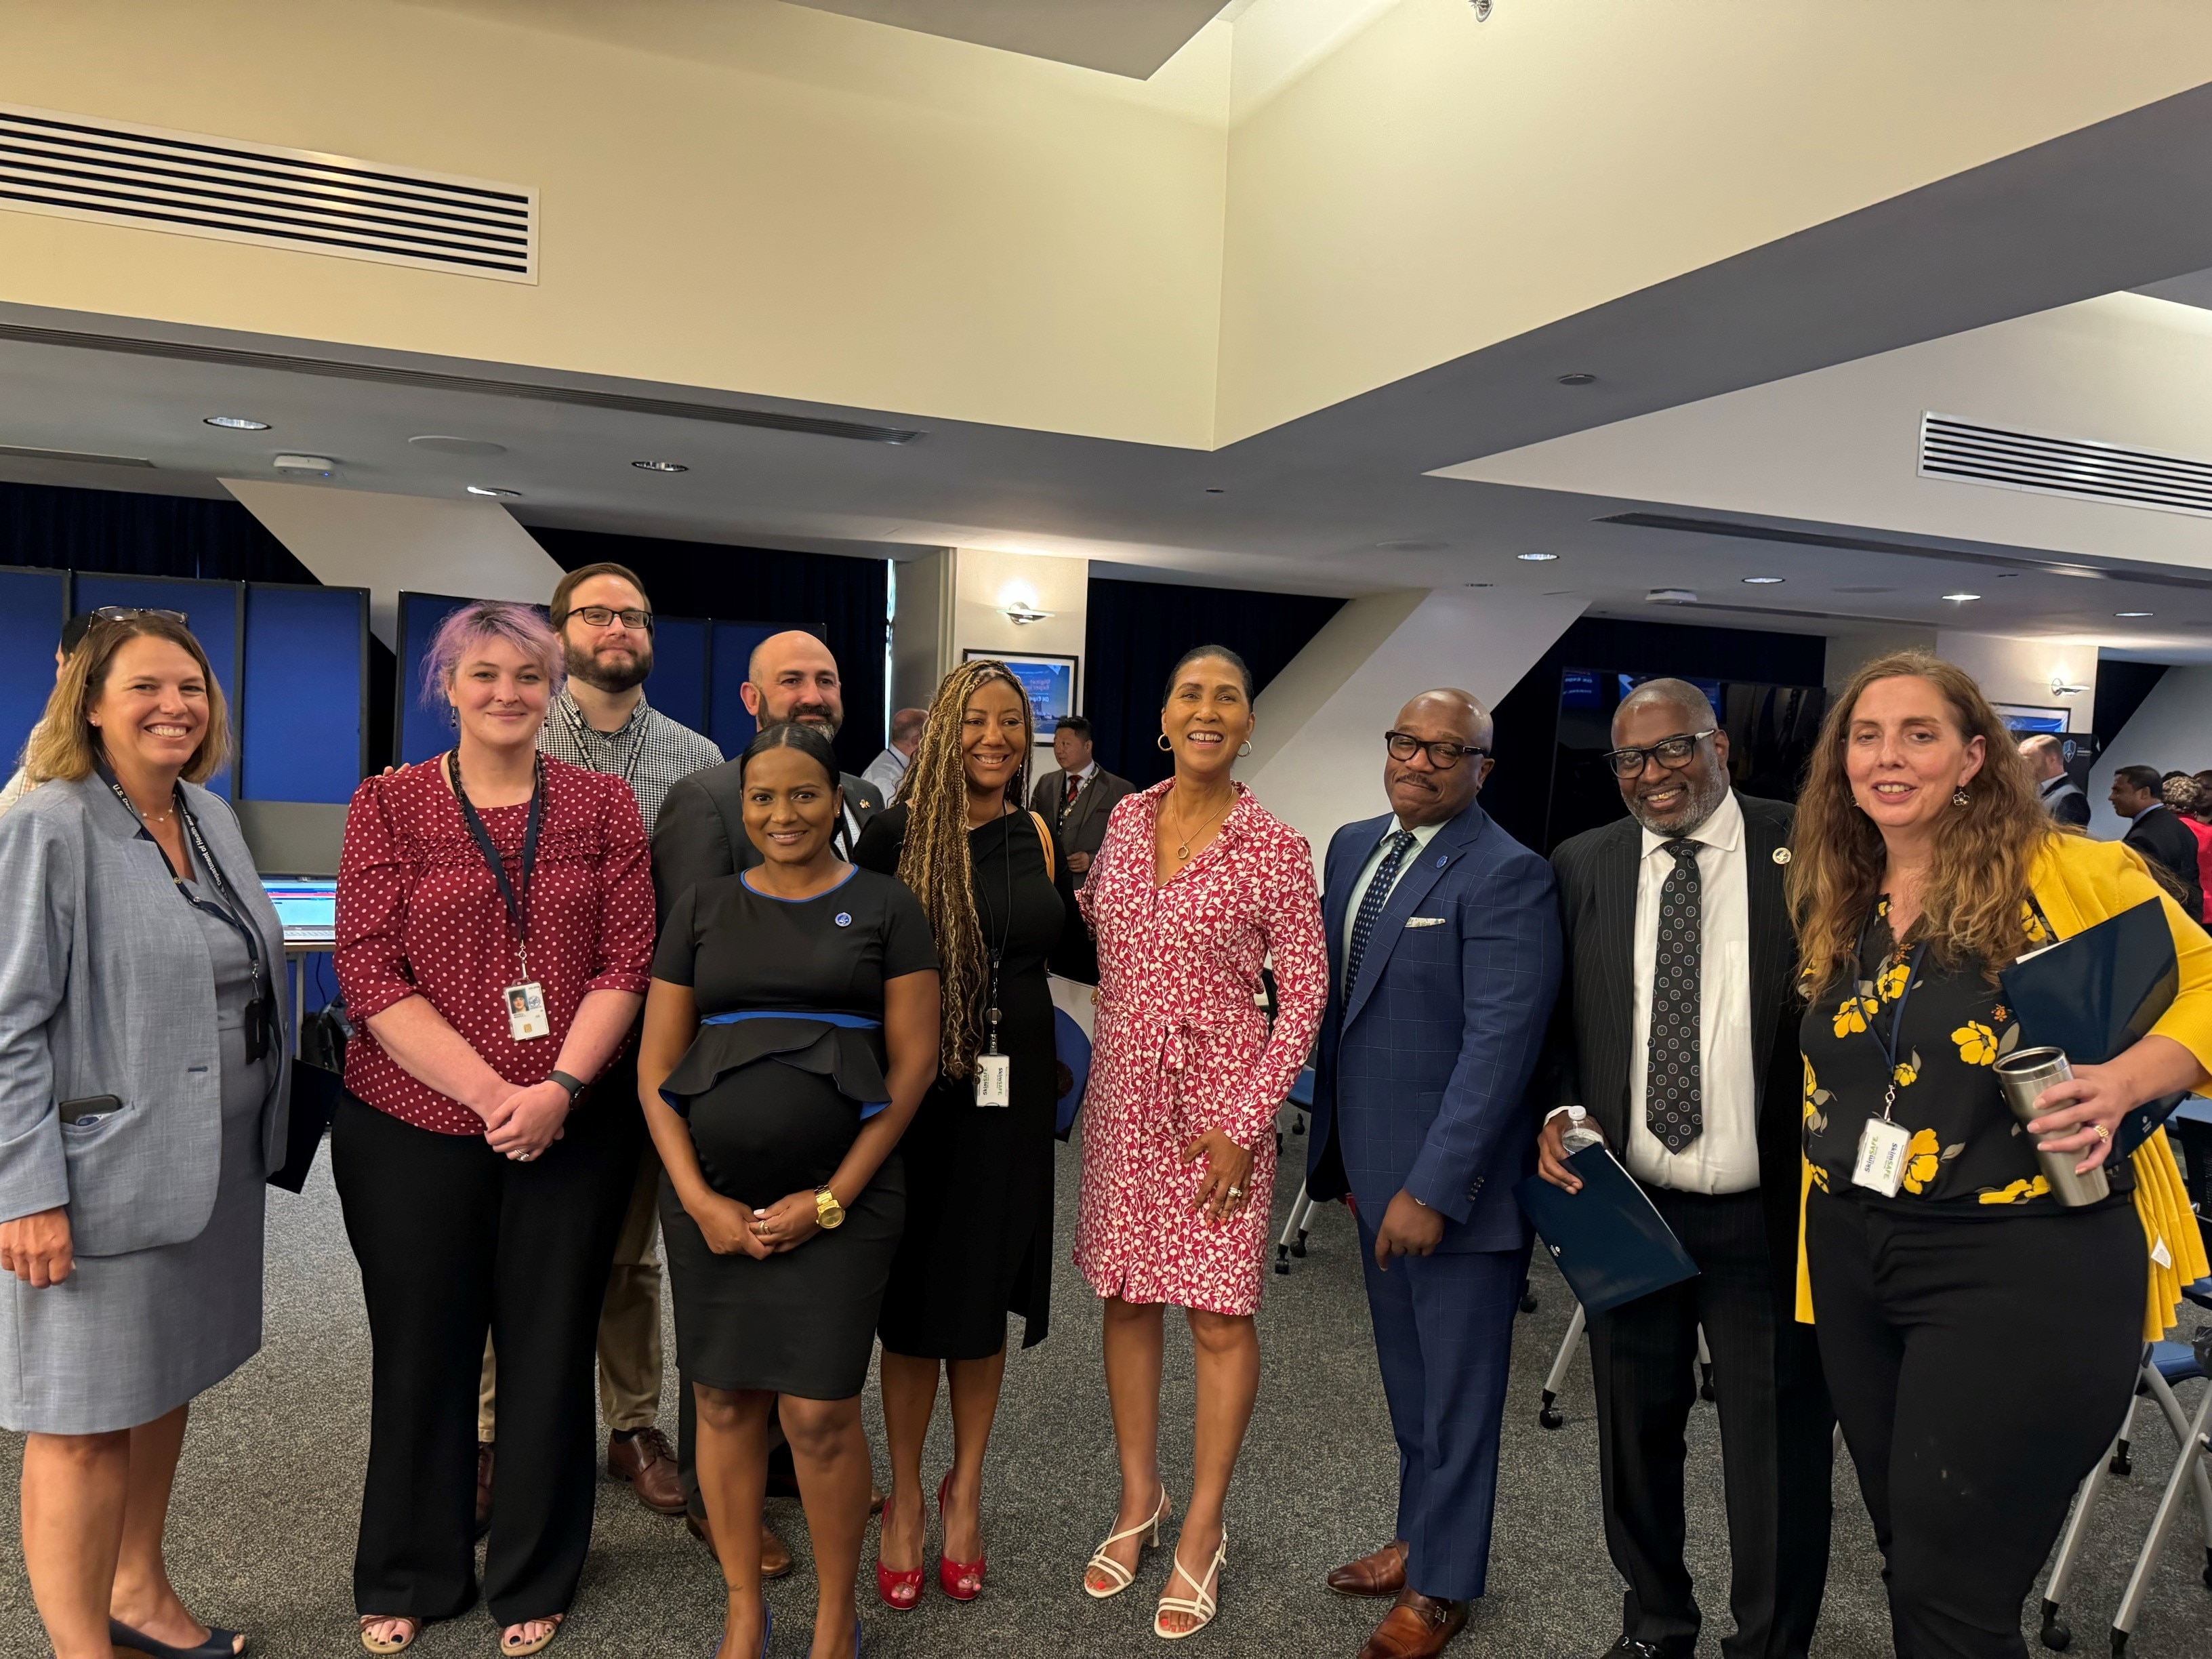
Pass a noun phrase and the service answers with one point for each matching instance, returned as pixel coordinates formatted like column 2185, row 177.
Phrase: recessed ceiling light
column 1960, row 599
column 236, row 423
column 1766, row 581
column 1536, row 558
column 1579, row 377
column 2131, row 613
column 500, row 494
column 661, row 466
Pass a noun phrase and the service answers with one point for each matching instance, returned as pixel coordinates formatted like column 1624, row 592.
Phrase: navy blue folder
column 2094, row 994
column 1610, row 1243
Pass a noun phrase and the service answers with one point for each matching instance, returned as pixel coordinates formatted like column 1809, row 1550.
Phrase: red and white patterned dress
column 1181, row 1046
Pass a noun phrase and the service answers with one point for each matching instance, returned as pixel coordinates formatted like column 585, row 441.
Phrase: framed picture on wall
column 1049, row 679
column 2027, row 718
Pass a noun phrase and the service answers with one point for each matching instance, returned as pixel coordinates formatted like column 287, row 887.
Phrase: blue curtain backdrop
column 1133, row 633
column 845, row 596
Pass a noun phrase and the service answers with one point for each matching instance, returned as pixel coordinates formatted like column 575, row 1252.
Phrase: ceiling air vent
column 1972, row 451
column 194, row 185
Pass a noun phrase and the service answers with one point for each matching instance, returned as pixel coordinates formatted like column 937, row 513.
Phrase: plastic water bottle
column 1579, row 1134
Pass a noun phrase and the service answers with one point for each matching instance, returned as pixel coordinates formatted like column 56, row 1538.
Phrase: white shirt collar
column 1423, row 834
column 1088, row 772
column 1723, row 830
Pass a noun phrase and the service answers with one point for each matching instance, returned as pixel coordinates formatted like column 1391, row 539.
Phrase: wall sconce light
column 2060, row 689
column 1021, row 606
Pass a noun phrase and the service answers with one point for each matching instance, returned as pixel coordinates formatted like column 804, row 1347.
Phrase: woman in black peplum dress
column 978, row 1242
column 790, row 1033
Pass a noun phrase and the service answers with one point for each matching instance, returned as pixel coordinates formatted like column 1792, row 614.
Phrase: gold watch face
column 827, row 1209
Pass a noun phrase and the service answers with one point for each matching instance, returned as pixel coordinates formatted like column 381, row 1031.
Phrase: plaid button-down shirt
column 649, row 753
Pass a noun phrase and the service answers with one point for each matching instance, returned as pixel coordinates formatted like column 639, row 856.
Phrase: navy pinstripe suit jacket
column 1422, row 1079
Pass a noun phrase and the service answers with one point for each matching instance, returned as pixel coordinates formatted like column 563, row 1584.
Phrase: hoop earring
column 1166, row 748
column 1245, row 747
column 1960, row 796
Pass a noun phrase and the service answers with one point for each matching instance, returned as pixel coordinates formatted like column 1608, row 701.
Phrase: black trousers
column 1775, row 1435
column 453, row 1239
column 1980, row 1365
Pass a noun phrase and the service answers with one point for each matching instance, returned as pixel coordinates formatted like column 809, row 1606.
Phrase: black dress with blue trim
column 788, row 1064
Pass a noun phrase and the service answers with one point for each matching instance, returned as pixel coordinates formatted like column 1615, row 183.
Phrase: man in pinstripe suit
column 1443, row 945
column 1677, row 1030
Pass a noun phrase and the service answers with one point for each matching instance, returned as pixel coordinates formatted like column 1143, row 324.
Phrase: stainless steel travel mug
column 2024, row 1075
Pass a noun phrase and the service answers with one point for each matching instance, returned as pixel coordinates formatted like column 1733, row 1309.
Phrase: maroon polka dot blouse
column 418, row 915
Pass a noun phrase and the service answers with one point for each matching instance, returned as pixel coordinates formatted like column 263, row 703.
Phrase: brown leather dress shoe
column 1418, row 1628
column 775, row 1559
column 647, row 1461
column 483, row 1487
column 1383, row 1573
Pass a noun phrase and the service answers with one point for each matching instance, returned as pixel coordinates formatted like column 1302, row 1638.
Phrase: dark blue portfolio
column 1611, row 1245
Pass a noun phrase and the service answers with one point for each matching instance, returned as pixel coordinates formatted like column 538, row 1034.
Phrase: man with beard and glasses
column 601, row 721
column 1676, row 1028
column 700, row 835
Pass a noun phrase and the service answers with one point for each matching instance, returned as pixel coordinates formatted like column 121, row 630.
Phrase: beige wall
column 955, row 600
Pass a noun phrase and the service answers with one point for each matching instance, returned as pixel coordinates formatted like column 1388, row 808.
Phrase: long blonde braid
column 935, row 864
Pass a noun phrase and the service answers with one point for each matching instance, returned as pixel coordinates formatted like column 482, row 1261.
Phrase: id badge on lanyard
column 525, row 999
column 1879, row 1167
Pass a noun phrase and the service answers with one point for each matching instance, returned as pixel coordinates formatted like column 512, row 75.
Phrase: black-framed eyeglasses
column 599, row 616
column 1404, row 745
column 1674, row 753
column 125, row 612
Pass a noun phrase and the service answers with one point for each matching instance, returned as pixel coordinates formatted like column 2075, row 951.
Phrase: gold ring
column 2103, row 1134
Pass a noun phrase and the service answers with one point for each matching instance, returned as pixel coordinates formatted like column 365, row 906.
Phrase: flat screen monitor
column 306, row 905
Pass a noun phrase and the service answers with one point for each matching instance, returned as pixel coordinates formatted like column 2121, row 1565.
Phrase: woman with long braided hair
column 979, row 1156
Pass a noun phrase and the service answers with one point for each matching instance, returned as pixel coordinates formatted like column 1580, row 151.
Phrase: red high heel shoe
column 961, row 1580
column 900, row 1590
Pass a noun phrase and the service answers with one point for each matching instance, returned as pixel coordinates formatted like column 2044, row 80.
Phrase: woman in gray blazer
column 143, row 1077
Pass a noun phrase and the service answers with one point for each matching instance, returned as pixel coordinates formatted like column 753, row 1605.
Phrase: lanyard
column 1896, row 1014
column 518, row 907
column 628, row 772
column 1005, row 924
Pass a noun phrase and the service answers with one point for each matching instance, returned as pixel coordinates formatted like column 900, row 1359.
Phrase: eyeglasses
column 1404, row 745
column 1672, row 753
column 125, row 612
column 599, row 616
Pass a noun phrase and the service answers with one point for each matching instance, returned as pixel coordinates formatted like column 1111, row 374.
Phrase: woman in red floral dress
column 1195, row 885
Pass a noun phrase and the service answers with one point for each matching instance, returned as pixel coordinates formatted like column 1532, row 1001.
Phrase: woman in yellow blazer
column 1980, row 1340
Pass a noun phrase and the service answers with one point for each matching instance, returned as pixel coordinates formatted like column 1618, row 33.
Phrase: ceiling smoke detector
column 319, row 466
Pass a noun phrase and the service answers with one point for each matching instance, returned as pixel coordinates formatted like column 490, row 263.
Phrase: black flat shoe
column 219, row 1645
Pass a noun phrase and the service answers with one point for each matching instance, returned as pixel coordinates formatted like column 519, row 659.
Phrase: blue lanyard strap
column 1889, row 1046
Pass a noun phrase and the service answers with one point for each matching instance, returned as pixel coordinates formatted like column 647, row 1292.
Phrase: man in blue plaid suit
column 1444, row 949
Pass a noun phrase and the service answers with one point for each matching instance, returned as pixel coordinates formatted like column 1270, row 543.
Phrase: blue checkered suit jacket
column 1421, row 1082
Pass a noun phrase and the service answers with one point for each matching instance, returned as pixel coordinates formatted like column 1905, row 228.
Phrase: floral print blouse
column 1967, row 1156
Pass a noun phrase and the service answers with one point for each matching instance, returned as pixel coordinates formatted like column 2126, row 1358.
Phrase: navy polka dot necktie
column 1372, row 903
column 1672, row 1101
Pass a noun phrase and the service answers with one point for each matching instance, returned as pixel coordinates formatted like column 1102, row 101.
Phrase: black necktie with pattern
column 1372, row 903
column 1673, row 1102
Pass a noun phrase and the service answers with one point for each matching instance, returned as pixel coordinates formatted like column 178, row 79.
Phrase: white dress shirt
column 1724, row 1158
column 1422, row 835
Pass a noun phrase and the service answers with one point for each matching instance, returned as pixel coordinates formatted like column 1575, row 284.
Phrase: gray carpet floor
column 261, row 1528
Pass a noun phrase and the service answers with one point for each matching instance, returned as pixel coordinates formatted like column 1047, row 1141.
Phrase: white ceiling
column 1339, row 501
column 1122, row 37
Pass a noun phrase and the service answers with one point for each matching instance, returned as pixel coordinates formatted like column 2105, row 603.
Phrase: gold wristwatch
column 828, row 1214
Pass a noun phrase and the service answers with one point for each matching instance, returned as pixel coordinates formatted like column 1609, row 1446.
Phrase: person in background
column 978, row 1242
column 73, row 631
column 790, row 1034
column 1196, row 884
column 2184, row 798
column 888, row 767
column 483, row 1180
column 1443, row 947
column 2137, row 795
column 142, row 1080
column 1077, row 800
column 602, row 722
column 1677, row 924
column 2061, row 796
column 1923, row 864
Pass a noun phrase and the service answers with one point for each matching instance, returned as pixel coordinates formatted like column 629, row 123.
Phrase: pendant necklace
column 1182, row 851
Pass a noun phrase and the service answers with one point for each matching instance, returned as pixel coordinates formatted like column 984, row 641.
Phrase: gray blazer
column 105, row 988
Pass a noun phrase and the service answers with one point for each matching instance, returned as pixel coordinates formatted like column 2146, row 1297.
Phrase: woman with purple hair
column 495, row 928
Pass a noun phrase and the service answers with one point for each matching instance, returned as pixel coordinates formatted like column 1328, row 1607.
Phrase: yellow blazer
column 2080, row 882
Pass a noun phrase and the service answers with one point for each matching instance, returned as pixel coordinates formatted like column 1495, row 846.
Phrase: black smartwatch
column 571, row 1084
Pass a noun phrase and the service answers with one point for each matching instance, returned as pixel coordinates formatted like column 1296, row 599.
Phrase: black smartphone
column 76, row 1111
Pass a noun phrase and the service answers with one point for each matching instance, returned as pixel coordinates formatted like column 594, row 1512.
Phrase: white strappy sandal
column 1202, row 1606
column 1121, row 1576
